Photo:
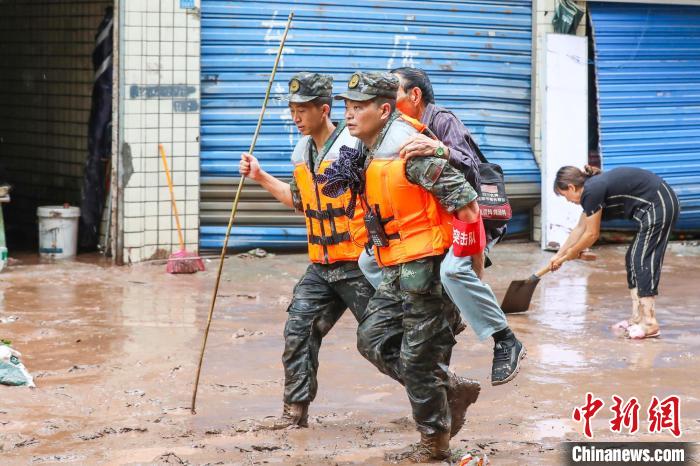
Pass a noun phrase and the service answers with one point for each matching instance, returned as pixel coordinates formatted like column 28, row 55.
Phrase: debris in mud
column 97, row 435
column 178, row 411
column 265, row 447
column 235, row 388
column 125, row 430
column 212, row 432
column 78, row 368
column 469, row 458
column 110, row 431
column 243, row 333
column 135, row 392
column 403, row 422
column 257, row 252
column 51, row 426
column 366, row 431
column 8, row 319
column 58, row 459
column 248, row 425
column 12, row 371
column 27, row 443
column 169, row 458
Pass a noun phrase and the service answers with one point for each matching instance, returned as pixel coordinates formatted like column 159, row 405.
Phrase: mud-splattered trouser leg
column 314, row 309
column 317, row 304
column 409, row 306
column 355, row 293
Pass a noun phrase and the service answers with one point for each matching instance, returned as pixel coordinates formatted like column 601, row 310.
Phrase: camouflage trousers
column 406, row 335
column 320, row 299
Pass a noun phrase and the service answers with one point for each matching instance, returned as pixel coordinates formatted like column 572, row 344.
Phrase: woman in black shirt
column 631, row 193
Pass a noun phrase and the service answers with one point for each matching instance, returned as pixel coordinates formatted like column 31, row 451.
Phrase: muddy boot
column 293, row 414
column 648, row 327
column 461, row 393
column 430, row 448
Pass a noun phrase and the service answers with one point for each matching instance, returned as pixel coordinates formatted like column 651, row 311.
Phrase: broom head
column 184, row 261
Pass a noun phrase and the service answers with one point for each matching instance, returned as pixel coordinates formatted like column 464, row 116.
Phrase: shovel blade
column 519, row 295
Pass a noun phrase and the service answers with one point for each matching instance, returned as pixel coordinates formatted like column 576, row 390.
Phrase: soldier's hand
column 418, row 145
column 249, row 166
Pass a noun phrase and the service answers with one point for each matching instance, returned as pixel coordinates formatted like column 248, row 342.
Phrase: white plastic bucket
column 58, row 231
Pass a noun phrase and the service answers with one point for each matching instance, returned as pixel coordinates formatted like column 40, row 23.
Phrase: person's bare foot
column 647, row 327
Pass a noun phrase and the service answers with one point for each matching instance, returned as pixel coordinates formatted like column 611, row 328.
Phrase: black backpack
column 493, row 201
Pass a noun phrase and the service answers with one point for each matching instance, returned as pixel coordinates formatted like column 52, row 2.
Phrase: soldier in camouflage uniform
column 409, row 303
column 333, row 281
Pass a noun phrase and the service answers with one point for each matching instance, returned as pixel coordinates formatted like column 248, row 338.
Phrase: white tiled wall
column 160, row 53
column 543, row 12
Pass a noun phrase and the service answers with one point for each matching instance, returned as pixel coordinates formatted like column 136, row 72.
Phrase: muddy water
column 114, row 351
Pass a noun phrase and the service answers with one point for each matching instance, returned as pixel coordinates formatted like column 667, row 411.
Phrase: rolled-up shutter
column 647, row 62
column 478, row 56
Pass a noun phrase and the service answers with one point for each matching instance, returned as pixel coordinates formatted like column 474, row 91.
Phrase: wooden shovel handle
column 543, row 271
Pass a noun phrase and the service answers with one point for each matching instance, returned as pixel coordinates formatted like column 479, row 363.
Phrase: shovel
column 519, row 294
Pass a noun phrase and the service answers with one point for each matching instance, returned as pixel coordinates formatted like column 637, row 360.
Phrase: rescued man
column 333, row 281
column 461, row 276
column 413, row 201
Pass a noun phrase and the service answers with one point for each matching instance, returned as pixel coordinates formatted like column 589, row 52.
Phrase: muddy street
column 114, row 351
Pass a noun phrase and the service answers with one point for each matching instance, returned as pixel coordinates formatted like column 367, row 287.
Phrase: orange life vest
column 415, row 222
column 332, row 236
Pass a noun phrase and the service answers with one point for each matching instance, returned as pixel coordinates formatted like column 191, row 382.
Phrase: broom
column 182, row 261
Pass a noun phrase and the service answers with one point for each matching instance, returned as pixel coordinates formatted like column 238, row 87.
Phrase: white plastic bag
column 12, row 371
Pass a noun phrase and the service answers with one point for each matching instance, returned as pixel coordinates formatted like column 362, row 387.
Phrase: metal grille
column 647, row 62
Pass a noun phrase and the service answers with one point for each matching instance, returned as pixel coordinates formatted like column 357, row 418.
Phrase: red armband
column 468, row 239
